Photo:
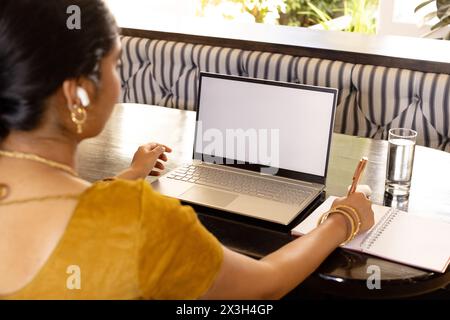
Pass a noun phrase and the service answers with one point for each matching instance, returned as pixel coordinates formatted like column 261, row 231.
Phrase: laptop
column 261, row 148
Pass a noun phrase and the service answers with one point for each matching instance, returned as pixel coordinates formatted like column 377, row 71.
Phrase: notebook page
column 390, row 245
column 414, row 240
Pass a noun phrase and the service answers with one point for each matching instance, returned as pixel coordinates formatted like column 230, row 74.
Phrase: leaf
column 443, row 7
column 444, row 21
column 443, row 10
column 323, row 16
column 423, row 4
column 440, row 3
column 430, row 16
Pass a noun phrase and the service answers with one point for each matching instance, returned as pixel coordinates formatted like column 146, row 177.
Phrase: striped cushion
column 166, row 73
column 385, row 98
column 311, row 71
column 372, row 99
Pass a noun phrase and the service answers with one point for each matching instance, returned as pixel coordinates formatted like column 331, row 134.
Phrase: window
column 347, row 15
column 156, row 11
column 397, row 17
column 388, row 17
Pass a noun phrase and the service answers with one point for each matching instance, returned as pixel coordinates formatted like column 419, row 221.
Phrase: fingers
column 147, row 147
column 168, row 149
column 361, row 195
column 163, row 157
column 158, row 151
column 357, row 196
column 152, row 145
column 150, row 158
column 354, row 197
column 362, row 205
column 159, row 166
column 338, row 201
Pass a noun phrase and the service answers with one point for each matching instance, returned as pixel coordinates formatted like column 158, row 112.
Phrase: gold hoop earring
column 79, row 117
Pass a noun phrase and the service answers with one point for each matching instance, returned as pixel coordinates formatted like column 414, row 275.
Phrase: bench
column 372, row 97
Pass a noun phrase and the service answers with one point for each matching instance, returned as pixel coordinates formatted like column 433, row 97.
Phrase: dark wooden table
column 344, row 273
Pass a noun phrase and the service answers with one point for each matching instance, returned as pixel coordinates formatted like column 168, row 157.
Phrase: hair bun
column 7, row 109
column 14, row 115
column 38, row 55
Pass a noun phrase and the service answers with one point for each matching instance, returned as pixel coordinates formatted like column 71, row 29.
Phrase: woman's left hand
column 147, row 160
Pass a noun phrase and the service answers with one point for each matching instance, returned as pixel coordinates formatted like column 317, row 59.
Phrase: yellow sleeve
column 178, row 257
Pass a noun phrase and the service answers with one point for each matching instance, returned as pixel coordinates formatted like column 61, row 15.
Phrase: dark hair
column 38, row 51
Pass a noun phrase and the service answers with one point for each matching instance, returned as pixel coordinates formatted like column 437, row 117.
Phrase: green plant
column 259, row 9
column 322, row 16
column 301, row 13
column 363, row 14
column 305, row 13
column 442, row 13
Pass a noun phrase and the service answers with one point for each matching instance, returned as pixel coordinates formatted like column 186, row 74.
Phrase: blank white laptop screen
column 302, row 118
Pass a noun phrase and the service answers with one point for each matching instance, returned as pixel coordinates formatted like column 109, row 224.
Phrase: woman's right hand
column 362, row 205
column 241, row 277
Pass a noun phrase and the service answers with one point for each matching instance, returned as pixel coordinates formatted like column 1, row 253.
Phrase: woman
column 64, row 238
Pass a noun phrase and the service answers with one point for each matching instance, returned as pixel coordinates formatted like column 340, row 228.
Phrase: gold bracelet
column 353, row 232
column 355, row 214
column 345, row 214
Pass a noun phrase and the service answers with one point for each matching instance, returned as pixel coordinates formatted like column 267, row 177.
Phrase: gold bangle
column 356, row 216
column 345, row 214
column 353, row 232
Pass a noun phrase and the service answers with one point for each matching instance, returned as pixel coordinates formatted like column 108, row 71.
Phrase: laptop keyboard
column 241, row 183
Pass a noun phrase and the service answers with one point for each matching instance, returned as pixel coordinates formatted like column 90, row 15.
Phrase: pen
column 358, row 172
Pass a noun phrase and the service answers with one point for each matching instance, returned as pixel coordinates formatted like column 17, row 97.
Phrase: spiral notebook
column 397, row 236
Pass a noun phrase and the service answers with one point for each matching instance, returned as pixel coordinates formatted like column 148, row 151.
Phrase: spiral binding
column 370, row 239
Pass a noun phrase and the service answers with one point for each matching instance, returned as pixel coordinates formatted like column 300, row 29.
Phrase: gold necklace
column 40, row 199
column 5, row 190
column 36, row 158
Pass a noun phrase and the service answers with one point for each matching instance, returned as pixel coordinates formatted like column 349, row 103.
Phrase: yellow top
column 125, row 241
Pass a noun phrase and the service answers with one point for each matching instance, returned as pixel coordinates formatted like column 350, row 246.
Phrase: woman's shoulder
column 119, row 191
column 115, row 186
column 124, row 195
column 106, row 198
column 124, row 202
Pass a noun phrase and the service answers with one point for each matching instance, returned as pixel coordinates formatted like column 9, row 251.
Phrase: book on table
column 397, row 236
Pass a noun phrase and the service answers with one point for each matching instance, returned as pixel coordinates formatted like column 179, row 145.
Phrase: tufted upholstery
column 372, row 99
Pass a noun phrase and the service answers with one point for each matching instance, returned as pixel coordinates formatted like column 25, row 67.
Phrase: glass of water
column 402, row 143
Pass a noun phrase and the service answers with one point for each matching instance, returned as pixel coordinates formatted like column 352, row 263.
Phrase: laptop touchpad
column 208, row 196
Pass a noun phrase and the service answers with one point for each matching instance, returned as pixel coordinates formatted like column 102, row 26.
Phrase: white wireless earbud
column 83, row 96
